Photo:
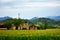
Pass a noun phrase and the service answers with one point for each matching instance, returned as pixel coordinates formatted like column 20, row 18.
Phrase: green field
column 48, row 34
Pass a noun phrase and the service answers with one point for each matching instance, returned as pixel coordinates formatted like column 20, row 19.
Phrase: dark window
column 24, row 29
column 2, row 26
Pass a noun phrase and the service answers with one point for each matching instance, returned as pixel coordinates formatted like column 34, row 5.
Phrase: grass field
column 48, row 34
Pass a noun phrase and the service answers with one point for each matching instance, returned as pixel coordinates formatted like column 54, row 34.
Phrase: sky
column 29, row 8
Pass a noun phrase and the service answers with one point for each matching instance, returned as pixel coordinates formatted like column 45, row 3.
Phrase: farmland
column 48, row 34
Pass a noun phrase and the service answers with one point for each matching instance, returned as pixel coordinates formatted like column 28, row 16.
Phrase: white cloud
column 6, row 0
column 43, row 0
column 30, row 5
column 37, row 4
column 27, row 6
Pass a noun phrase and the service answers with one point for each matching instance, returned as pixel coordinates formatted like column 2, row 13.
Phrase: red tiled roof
column 1, row 23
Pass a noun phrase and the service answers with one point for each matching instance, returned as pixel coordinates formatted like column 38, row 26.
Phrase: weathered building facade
column 24, row 26
column 2, row 27
column 33, row 27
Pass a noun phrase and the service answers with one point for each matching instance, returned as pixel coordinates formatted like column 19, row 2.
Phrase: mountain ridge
column 50, row 17
column 4, row 18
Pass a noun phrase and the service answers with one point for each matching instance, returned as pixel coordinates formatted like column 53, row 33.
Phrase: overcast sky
column 29, row 8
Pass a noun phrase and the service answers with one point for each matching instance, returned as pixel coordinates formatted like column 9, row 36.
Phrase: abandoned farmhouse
column 24, row 26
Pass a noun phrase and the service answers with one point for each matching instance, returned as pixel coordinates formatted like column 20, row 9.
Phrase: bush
column 8, row 24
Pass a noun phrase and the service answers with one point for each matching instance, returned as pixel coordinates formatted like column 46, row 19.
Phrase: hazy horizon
column 29, row 8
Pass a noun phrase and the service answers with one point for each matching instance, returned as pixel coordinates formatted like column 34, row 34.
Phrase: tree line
column 42, row 23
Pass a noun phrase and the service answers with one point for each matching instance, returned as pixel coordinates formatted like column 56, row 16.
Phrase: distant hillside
column 5, row 18
column 54, row 17
column 34, row 18
column 42, row 20
column 50, row 17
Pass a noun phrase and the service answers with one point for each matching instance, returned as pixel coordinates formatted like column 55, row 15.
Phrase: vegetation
column 17, row 22
column 41, row 23
column 45, row 23
column 8, row 24
column 48, row 34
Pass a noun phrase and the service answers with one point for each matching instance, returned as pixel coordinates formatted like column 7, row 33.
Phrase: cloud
column 28, row 3
column 4, row 1
column 42, row 4
column 43, row 0
column 29, row 8
column 36, row 5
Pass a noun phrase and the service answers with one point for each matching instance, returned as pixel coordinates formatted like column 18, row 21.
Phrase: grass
column 48, row 34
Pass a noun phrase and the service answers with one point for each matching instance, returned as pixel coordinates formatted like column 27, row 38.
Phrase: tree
column 8, row 24
column 45, row 24
column 17, row 22
column 39, row 26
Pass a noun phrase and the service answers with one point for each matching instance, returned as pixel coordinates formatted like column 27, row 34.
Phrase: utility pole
column 18, row 15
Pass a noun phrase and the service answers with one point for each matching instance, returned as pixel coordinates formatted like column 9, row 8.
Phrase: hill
column 50, row 21
column 54, row 17
column 5, row 18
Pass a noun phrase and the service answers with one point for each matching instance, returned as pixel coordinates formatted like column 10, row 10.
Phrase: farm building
column 2, row 27
column 33, row 27
column 24, row 26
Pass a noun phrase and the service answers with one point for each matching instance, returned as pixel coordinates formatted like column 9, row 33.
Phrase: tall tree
column 45, row 24
column 8, row 24
column 17, row 22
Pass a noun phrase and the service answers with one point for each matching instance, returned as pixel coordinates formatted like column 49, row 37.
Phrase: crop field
column 48, row 34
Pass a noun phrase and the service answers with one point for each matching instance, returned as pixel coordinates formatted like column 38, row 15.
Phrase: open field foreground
column 48, row 34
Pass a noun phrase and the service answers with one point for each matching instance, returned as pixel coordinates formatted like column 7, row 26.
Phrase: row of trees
column 45, row 23
column 16, row 22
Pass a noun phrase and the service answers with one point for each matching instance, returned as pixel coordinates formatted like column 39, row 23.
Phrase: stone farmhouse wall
column 21, row 26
